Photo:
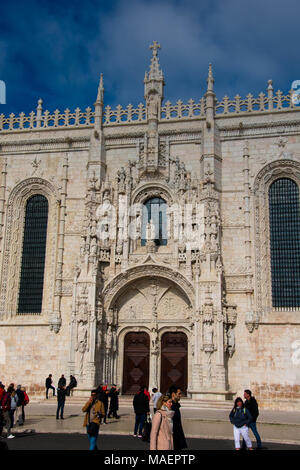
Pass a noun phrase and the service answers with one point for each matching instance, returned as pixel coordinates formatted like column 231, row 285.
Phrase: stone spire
column 210, row 96
column 99, row 104
column 154, row 79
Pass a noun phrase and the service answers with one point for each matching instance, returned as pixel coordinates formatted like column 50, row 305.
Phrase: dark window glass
column 285, row 242
column 155, row 210
column 33, row 255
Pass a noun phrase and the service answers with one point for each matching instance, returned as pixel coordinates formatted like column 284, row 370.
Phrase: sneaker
column 10, row 436
column 134, row 435
column 140, row 435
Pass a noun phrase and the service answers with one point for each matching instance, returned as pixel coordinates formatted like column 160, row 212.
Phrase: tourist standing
column 24, row 403
column 141, row 409
column 21, row 398
column 13, row 406
column 155, row 396
column 6, row 408
column 103, row 396
column 114, row 402
column 94, row 411
column 161, row 437
column 252, row 406
column 178, row 434
column 61, row 398
column 240, row 418
column 48, row 385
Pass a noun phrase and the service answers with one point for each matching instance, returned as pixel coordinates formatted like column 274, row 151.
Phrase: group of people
column 62, row 391
column 243, row 416
column 166, row 427
column 12, row 407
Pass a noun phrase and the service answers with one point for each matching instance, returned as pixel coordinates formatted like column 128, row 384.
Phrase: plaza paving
column 202, row 423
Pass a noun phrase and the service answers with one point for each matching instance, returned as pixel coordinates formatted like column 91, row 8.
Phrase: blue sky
column 56, row 50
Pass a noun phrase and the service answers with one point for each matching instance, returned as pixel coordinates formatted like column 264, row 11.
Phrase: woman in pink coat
column 161, row 437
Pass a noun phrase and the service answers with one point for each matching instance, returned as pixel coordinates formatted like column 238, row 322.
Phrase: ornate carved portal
column 174, row 361
column 136, row 362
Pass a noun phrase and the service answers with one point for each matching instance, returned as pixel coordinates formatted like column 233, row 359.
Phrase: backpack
column 26, row 399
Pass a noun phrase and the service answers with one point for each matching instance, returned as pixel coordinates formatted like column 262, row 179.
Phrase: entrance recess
column 136, row 362
column 174, row 361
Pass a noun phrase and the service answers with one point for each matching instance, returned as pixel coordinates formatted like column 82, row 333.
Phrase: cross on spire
column 155, row 46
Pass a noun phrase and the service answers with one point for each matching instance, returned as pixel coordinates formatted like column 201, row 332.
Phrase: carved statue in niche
column 132, row 312
column 109, row 335
column 230, row 341
column 82, row 343
column 152, row 107
column 154, row 339
column 150, row 231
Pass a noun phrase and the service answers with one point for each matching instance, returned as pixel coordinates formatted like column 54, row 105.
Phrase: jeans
column 139, row 422
column 253, row 428
column 47, row 390
column 244, row 432
column 93, row 441
column 60, row 407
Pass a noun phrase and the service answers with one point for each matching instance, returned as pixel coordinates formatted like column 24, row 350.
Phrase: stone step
column 126, row 401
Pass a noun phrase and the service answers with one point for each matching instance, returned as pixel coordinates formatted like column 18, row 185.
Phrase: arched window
column 284, row 212
column 33, row 255
column 155, row 211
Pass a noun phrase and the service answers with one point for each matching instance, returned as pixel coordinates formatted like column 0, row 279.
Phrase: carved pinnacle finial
column 210, row 79
column 154, row 46
column 100, row 90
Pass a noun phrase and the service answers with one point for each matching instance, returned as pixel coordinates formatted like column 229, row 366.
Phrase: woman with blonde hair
column 161, row 437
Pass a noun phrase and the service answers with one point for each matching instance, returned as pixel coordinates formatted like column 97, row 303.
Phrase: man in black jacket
column 49, row 385
column 61, row 398
column 252, row 407
column 178, row 434
column 114, row 402
column 141, row 409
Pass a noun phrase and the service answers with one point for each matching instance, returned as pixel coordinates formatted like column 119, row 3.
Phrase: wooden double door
column 174, row 361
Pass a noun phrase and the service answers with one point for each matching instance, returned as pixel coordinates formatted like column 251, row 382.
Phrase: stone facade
column 212, row 163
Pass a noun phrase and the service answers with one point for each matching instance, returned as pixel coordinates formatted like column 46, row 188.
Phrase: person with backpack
column 161, row 437
column 240, row 418
column 141, row 409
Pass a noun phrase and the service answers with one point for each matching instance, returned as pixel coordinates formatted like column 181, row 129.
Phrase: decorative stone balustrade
column 264, row 103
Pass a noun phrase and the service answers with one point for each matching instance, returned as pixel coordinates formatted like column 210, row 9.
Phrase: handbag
column 92, row 428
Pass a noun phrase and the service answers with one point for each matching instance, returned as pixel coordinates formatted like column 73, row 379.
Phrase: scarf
column 169, row 415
